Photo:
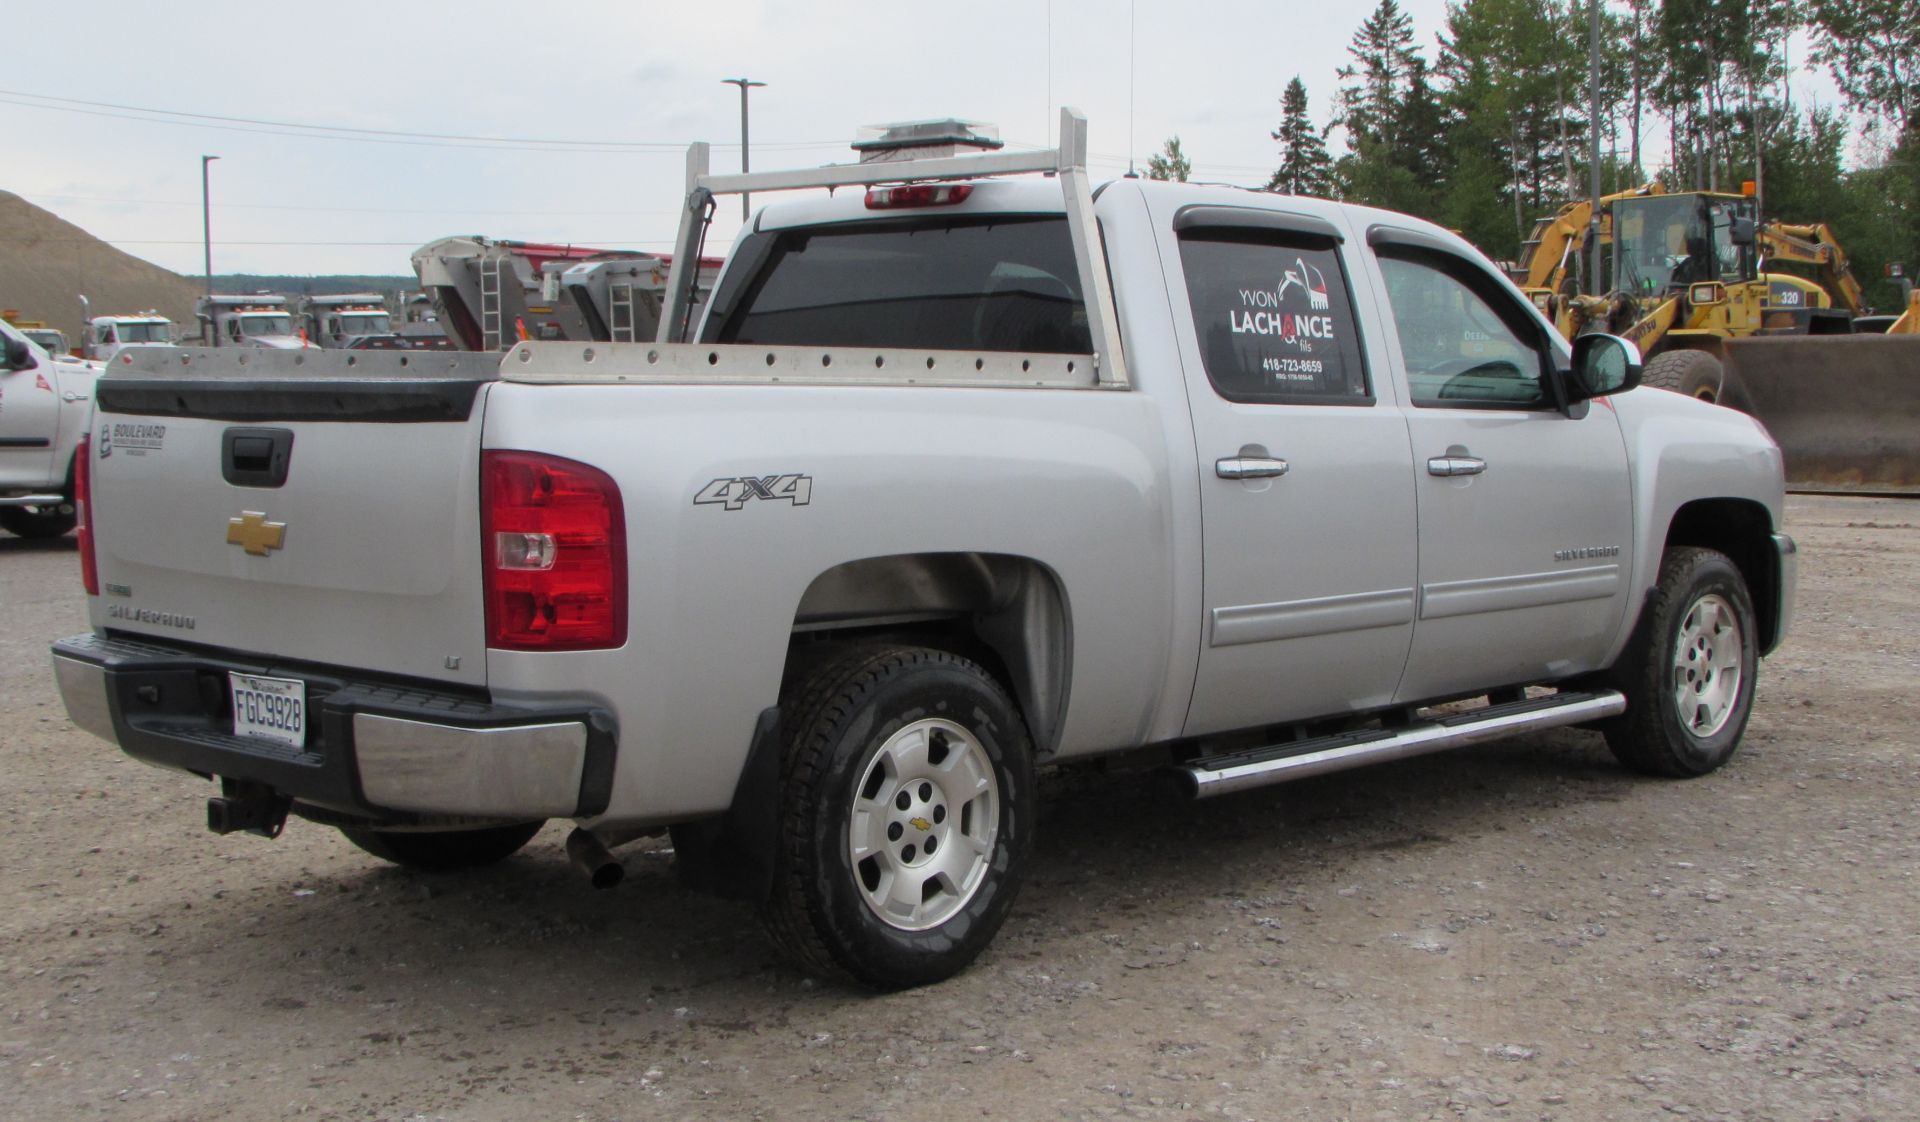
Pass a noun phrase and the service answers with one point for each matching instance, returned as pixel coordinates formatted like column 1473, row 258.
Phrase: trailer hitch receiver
column 252, row 807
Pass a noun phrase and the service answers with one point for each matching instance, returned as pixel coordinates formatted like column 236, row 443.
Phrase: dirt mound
column 46, row 263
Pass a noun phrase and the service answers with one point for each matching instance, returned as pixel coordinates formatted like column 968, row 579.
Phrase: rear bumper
column 380, row 749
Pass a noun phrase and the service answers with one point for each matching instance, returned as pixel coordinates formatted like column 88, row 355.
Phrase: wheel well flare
column 1008, row 612
column 1741, row 529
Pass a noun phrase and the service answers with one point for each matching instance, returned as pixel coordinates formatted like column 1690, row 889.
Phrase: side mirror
column 1604, row 364
column 19, row 356
column 1743, row 231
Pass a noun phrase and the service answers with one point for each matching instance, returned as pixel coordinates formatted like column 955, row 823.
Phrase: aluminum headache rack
column 1105, row 367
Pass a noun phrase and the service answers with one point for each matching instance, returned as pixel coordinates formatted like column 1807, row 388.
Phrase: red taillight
column 555, row 554
column 83, row 506
column 918, row 194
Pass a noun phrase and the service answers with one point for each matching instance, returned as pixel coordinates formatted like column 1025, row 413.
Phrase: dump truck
column 261, row 320
column 107, row 336
column 346, row 321
column 48, row 337
column 490, row 293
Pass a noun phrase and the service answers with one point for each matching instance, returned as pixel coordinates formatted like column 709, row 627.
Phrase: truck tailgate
column 305, row 506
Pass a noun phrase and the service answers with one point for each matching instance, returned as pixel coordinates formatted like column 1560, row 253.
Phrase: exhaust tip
column 591, row 857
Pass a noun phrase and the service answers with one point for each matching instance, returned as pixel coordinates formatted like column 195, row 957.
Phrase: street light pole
column 206, row 220
column 744, row 84
column 1594, row 275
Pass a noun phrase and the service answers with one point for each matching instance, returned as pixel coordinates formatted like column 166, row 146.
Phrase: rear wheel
column 1689, row 674
column 445, row 850
column 1694, row 373
column 906, row 814
column 37, row 522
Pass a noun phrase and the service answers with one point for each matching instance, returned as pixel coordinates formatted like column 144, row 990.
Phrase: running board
column 1281, row 763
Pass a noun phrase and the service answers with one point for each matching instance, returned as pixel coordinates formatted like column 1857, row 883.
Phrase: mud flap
column 732, row 855
column 1845, row 410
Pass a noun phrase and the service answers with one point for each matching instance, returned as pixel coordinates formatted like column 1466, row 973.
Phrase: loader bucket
column 1845, row 409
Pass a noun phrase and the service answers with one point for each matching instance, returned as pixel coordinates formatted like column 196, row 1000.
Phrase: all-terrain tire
column 1689, row 670
column 446, row 850
column 906, row 814
column 1693, row 373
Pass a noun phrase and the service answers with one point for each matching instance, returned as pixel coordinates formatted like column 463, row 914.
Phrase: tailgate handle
column 255, row 457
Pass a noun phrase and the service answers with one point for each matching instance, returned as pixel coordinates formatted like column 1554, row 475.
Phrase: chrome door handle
column 1250, row 467
column 1456, row 465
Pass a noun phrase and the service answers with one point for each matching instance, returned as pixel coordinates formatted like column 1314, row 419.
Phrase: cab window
column 1274, row 317
column 1004, row 283
column 1464, row 346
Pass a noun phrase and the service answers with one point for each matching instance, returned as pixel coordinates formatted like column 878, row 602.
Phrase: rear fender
column 1014, row 607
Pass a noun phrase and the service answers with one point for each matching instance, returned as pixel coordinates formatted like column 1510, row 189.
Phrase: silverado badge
column 253, row 533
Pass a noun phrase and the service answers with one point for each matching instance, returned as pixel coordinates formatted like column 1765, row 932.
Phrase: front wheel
column 1689, row 672
column 906, row 814
column 445, row 850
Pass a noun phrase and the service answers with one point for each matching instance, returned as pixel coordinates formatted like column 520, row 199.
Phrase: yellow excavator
column 1687, row 271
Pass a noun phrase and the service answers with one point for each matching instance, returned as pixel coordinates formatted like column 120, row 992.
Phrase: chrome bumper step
column 1280, row 763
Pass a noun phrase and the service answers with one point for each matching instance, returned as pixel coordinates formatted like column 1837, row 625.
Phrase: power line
column 359, row 209
column 611, row 242
column 307, row 131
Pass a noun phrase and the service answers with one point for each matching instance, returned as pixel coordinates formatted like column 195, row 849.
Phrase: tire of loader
column 1693, row 373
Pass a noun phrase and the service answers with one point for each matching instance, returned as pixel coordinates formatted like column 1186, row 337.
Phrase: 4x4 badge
column 736, row 492
column 253, row 533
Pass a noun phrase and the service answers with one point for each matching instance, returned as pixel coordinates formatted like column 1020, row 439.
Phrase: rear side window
column 998, row 284
column 1274, row 317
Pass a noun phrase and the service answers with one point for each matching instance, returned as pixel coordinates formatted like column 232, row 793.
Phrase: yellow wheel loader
column 1691, row 278
column 1688, row 271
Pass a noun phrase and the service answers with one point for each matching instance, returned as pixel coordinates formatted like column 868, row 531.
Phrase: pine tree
column 1502, row 63
column 1305, row 168
column 1421, row 148
column 1169, row 163
column 1371, row 107
column 1383, row 54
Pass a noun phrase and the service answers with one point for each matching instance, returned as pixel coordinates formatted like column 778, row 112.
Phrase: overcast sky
column 645, row 75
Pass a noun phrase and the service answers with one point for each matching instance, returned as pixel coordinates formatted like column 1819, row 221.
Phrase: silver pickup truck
column 961, row 472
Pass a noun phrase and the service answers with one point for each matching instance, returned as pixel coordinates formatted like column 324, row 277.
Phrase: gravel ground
column 1518, row 931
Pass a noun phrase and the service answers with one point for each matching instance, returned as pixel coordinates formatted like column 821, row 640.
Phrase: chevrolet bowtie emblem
column 253, row 533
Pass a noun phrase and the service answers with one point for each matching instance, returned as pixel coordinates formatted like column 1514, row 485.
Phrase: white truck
column 962, row 472
column 107, row 336
column 45, row 400
column 260, row 321
column 346, row 321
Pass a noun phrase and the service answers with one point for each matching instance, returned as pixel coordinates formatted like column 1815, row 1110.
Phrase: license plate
column 270, row 708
